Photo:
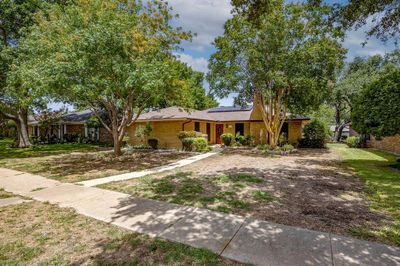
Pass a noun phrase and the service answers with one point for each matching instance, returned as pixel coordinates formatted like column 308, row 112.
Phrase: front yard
column 37, row 233
column 78, row 162
column 311, row 189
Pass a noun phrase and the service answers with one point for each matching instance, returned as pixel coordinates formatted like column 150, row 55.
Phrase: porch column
column 86, row 131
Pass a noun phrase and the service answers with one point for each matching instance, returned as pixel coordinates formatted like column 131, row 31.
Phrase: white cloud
column 198, row 64
column 204, row 17
column 355, row 38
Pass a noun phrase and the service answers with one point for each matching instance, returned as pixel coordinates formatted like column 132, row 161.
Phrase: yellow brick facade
column 166, row 131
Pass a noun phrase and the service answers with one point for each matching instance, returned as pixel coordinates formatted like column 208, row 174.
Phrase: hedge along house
column 168, row 122
column 73, row 123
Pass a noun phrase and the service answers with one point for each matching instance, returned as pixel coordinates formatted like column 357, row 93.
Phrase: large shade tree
column 111, row 55
column 377, row 110
column 284, row 62
column 17, row 98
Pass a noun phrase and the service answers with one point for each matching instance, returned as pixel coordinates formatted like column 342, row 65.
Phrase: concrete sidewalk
column 239, row 238
column 171, row 166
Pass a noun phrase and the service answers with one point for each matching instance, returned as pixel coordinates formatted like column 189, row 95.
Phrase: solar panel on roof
column 229, row 109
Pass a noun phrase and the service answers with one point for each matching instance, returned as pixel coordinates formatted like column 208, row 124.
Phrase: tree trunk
column 22, row 129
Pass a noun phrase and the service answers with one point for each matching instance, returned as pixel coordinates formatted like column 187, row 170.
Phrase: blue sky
column 207, row 17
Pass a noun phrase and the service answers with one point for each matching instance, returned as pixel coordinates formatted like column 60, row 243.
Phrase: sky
column 206, row 18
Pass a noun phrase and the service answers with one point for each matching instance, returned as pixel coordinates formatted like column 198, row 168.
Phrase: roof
column 217, row 114
column 72, row 117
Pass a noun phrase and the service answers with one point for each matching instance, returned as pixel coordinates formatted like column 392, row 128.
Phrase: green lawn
column 380, row 172
column 41, row 150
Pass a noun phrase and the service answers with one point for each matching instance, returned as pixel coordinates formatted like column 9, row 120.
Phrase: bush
column 240, row 139
column 153, row 143
column 287, row 147
column 187, row 144
column 264, row 147
column 188, row 134
column 353, row 142
column 227, row 139
column 200, row 144
column 314, row 135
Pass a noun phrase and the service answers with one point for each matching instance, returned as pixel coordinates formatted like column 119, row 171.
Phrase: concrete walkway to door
column 243, row 239
column 181, row 163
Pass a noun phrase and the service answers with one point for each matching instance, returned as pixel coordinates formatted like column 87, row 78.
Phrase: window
column 209, row 131
column 197, row 126
column 239, row 128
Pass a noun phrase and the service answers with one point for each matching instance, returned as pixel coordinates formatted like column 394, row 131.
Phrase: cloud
column 198, row 64
column 355, row 38
column 203, row 17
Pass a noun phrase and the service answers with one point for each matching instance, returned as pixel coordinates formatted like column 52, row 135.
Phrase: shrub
column 240, row 139
column 200, row 144
column 314, row 135
column 227, row 139
column 283, row 139
column 353, row 142
column 188, row 134
column 153, row 143
column 264, row 147
column 187, row 144
column 287, row 147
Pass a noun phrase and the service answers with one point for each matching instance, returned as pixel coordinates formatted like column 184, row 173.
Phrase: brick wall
column 390, row 144
column 76, row 129
column 105, row 136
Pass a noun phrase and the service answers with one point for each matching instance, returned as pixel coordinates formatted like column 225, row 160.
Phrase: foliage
column 314, row 135
column 264, row 147
column 283, row 139
column 188, row 134
column 353, row 142
column 93, row 122
column 187, row 143
column 325, row 114
column 240, row 139
column 17, row 97
column 143, row 132
column 385, row 22
column 120, row 60
column 377, row 110
column 227, row 139
column 287, row 61
column 200, row 144
column 153, row 143
column 287, row 147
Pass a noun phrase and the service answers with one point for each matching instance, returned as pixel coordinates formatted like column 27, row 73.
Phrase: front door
column 219, row 130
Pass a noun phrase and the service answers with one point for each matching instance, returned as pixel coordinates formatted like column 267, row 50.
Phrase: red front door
column 219, row 130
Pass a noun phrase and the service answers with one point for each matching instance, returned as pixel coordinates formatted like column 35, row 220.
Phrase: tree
column 16, row 98
column 377, row 110
column 115, row 56
column 47, row 119
column 384, row 15
column 351, row 80
column 284, row 62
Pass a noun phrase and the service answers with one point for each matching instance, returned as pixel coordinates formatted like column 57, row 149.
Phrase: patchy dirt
column 38, row 233
column 79, row 166
column 313, row 190
column 308, row 189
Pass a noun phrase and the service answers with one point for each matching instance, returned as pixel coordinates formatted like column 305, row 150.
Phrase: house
column 71, row 124
column 168, row 122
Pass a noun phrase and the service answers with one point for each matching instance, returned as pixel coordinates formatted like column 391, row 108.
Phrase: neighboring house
column 348, row 131
column 73, row 123
column 168, row 122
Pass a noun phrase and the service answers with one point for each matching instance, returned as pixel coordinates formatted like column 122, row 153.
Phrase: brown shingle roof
column 178, row 113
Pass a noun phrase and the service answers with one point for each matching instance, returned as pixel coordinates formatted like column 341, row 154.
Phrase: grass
column 41, row 150
column 43, row 234
column 234, row 193
column 4, row 194
column 383, row 182
column 57, row 161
